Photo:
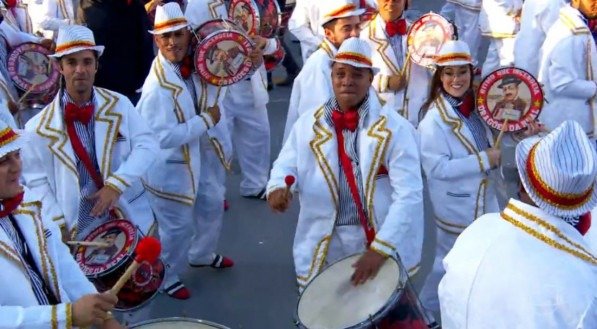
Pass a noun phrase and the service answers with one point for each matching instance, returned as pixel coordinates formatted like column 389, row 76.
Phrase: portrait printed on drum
column 225, row 59
column 33, row 67
column 429, row 39
column 509, row 98
column 115, row 241
column 243, row 15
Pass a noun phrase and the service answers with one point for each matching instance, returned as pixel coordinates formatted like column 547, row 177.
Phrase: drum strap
column 350, row 177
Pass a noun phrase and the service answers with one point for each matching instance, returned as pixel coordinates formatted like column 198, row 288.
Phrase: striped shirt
column 396, row 43
column 87, row 187
column 473, row 123
column 189, row 83
column 38, row 285
column 347, row 208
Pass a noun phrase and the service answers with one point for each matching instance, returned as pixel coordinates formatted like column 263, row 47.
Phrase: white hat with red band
column 355, row 52
column 75, row 38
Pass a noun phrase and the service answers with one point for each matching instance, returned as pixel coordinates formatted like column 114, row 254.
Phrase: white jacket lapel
column 107, row 124
column 325, row 148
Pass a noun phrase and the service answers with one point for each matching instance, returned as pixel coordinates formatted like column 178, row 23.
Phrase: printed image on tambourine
column 31, row 69
column 256, row 17
column 426, row 37
column 509, row 93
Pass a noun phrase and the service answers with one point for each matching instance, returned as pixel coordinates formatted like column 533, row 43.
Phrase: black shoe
column 260, row 196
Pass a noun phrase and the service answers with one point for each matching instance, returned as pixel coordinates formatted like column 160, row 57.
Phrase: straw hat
column 558, row 171
column 75, row 38
column 168, row 18
column 454, row 53
column 355, row 52
column 9, row 140
column 332, row 9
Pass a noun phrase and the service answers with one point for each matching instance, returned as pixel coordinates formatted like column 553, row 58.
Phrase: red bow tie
column 11, row 3
column 345, row 120
column 74, row 113
column 396, row 27
column 9, row 205
column 584, row 224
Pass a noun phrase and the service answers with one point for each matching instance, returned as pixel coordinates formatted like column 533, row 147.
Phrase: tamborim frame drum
column 33, row 72
column 177, row 323
column 257, row 17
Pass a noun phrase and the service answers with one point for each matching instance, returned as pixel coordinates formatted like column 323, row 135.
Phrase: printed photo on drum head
column 225, row 59
column 509, row 98
column 115, row 241
column 33, row 67
column 429, row 39
column 244, row 16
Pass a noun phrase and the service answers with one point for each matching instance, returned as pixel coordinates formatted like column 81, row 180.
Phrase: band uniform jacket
column 18, row 16
column 474, row 5
column 457, row 172
column 19, row 307
column 408, row 101
column 500, row 18
column 568, row 71
column 394, row 202
column 179, row 122
column 124, row 146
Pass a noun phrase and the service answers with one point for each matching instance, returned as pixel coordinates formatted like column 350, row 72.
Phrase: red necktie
column 186, row 67
column 397, row 27
column 584, row 224
column 9, row 205
column 11, row 4
column 74, row 113
column 345, row 120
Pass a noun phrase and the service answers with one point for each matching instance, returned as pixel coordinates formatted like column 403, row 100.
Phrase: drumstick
column 498, row 140
column 217, row 95
column 289, row 180
column 97, row 244
column 148, row 250
column 27, row 93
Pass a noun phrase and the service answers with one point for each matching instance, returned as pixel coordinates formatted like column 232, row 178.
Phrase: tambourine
column 509, row 93
column 31, row 69
column 222, row 54
column 427, row 36
column 256, row 17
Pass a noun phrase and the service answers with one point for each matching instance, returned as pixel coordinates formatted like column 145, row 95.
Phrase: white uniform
column 304, row 24
column 56, row 13
column 466, row 19
column 459, row 184
column 18, row 16
column 499, row 21
column 524, row 272
column 125, row 149
column 175, row 178
column 19, row 307
column 408, row 101
column 393, row 201
column 537, row 17
column 568, row 71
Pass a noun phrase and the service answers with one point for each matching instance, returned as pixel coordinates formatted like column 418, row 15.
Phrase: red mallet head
column 148, row 249
column 289, row 180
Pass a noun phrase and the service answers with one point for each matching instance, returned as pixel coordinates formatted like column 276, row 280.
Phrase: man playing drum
column 358, row 175
column 89, row 147
column 187, row 180
column 340, row 20
column 41, row 287
column 530, row 266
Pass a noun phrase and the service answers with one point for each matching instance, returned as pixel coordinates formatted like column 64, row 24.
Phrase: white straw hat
column 558, row 171
column 168, row 18
column 75, row 38
column 332, row 9
column 355, row 52
column 9, row 139
column 454, row 53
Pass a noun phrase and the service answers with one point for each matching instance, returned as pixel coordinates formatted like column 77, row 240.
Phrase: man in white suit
column 42, row 285
column 305, row 25
column 88, row 148
column 313, row 86
column 358, row 176
column 530, row 266
column 56, row 14
column 403, row 85
column 187, row 180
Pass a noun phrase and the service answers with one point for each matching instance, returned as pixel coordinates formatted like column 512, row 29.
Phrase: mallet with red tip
column 148, row 250
column 289, row 180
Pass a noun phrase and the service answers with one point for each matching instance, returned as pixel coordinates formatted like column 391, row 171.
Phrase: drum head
column 509, row 93
column 141, row 287
column 30, row 68
column 177, row 323
column 426, row 37
column 222, row 57
column 330, row 301
column 121, row 238
column 246, row 14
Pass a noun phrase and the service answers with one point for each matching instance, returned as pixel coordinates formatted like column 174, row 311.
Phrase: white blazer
column 568, row 71
column 124, row 146
column 305, row 25
column 457, row 171
column 500, row 18
column 168, row 107
column 408, row 101
column 57, row 13
column 18, row 17
column 18, row 305
column 394, row 202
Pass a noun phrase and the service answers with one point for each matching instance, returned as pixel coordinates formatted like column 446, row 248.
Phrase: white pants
column 500, row 54
column 347, row 240
column 448, row 10
column 428, row 296
column 250, row 132
column 209, row 206
column 467, row 22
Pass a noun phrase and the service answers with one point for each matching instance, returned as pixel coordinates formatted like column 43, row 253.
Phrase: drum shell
column 273, row 60
column 188, row 324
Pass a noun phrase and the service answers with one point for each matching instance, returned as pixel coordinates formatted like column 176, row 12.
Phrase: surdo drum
column 257, row 17
column 222, row 53
column 177, row 323
column 330, row 301
column 103, row 266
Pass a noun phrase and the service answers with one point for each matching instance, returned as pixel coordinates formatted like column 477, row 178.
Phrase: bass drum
column 257, row 17
column 177, row 323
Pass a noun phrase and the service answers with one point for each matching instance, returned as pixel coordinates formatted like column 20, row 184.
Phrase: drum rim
column 153, row 295
column 120, row 262
column 398, row 291
column 179, row 319
column 437, row 18
column 39, row 48
column 253, row 4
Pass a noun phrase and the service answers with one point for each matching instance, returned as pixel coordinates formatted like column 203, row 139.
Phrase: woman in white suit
column 457, row 157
